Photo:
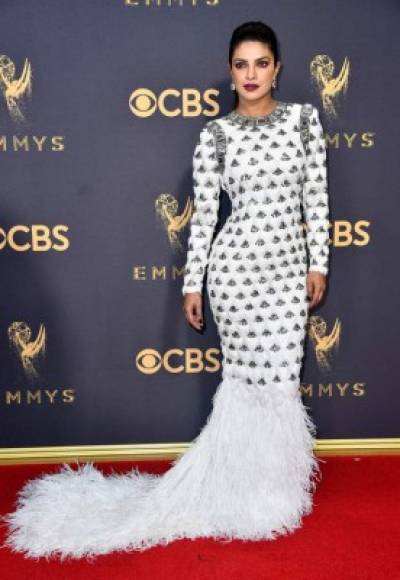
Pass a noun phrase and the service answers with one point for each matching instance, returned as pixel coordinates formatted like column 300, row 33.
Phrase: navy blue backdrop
column 101, row 103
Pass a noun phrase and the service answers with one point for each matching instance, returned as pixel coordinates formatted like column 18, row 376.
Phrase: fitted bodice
column 262, row 157
column 269, row 175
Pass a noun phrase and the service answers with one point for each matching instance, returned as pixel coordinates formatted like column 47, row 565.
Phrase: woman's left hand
column 316, row 284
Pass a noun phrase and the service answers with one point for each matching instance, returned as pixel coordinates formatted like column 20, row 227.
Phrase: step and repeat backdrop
column 101, row 104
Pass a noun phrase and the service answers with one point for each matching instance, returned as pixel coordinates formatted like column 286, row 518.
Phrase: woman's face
column 253, row 64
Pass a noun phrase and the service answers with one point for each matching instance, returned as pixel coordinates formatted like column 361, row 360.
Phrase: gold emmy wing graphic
column 14, row 89
column 324, row 343
column 19, row 335
column 167, row 209
column 322, row 69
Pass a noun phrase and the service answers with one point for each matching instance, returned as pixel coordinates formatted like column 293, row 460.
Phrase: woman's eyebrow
column 260, row 58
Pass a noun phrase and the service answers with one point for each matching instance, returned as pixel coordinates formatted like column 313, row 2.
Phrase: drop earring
column 233, row 86
column 274, row 83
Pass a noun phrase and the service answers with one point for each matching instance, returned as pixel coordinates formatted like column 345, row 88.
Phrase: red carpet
column 353, row 533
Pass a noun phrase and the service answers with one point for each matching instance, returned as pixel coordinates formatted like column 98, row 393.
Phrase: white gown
column 251, row 472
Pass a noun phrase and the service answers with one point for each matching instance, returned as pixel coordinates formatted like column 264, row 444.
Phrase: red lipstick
column 250, row 87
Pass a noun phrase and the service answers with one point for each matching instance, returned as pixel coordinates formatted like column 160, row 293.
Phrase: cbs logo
column 37, row 238
column 176, row 360
column 173, row 103
column 346, row 233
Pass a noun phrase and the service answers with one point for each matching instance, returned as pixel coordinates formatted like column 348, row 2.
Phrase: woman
column 250, row 472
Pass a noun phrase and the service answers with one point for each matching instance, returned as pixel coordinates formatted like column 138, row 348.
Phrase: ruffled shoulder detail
column 220, row 142
column 305, row 114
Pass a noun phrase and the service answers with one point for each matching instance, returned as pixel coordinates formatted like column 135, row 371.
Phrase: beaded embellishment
column 220, row 143
column 220, row 138
column 305, row 114
column 252, row 121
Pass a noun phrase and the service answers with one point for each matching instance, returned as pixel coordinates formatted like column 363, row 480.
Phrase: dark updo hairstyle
column 253, row 31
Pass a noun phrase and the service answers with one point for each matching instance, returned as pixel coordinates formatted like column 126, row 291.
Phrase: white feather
column 249, row 474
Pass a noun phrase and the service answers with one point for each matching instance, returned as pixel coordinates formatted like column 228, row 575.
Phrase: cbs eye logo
column 176, row 360
column 35, row 238
column 173, row 103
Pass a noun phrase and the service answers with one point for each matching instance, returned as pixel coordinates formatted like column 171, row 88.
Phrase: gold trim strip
column 366, row 446
column 168, row 451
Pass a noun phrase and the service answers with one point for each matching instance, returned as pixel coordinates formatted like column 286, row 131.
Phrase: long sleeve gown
column 251, row 471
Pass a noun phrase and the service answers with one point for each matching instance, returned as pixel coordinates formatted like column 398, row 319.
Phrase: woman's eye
column 263, row 63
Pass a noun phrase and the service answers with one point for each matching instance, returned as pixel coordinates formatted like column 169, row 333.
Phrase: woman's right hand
column 192, row 307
